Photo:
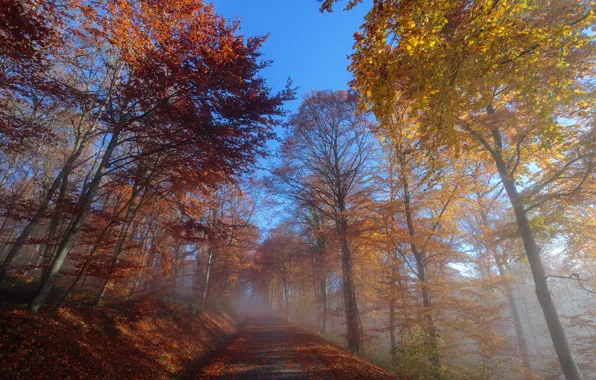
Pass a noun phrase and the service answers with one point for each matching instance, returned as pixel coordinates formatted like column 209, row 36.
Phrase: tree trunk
column 519, row 332
column 566, row 359
column 393, row 340
column 527, row 315
column 130, row 215
column 21, row 240
column 30, row 227
column 324, row 304
column 176, row 270
column 34, row 251
column 392, row 322
column 226, row 275
column 142, row 258
column 285, row 289
column 72, row 232
column 433, row 355
column 354, row 335
column 206, row 283
column 48, row 249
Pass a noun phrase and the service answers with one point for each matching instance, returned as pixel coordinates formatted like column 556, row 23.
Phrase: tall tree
column 513, row 78
column 324, row 160
column 188, row 88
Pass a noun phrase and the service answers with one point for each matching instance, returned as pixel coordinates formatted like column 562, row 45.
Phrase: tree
column 276, row 255
column 416, row 182
column 315, row 229
column 487, row 215
column 324, row 162
column 510, row 78
column 29, row 34
column 170, row 99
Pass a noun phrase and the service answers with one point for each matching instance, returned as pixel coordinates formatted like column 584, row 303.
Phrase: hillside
column 149, row 339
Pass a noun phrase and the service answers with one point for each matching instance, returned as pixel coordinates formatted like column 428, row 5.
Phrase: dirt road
column 273, row 349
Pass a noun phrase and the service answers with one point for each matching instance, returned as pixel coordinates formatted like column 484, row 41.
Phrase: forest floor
column 146, row 339
column 274, row 349
column 155, row 338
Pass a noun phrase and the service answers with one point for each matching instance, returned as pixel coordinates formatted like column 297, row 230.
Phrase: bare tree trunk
column 29, row 228
column 432, row 332
column 72, row 232
column 267, row 298
column 41, row 209
column 566, row 359
column 285, row 289
column 392, row 327
column 434, row 355
column 206, row 283
column 34, row 251
column 130, row 215
column 48, row 249
column 354, row 331
column 519, row 332
column 140, row 261
column 324, row 304
column 527, row 316
column 392, row 313
column 226, row 275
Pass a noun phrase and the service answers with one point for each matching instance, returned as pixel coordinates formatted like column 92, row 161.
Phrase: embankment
column 148, row 339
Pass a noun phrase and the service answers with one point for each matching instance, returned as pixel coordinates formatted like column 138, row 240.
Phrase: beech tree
column 30, row 33
column 404, row 216
column 145, row 100
column 324, row 160
column 513, row 78
column 413, row 182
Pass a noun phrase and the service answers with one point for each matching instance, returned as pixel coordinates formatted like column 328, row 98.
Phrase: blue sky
column 309, row 46
column 305, row 44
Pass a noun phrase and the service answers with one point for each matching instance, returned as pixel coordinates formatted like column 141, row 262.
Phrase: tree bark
column 131, row 212
column 21, row 240
column 48, row 249
column 393, row 284
column 72, row 232
column 555, row 328
column 433, row 355
column 285, row 289
column 324, row 305
column 207, row 277
column 354, row 335
column 519, row 332
column 392, row 327
column 43, row 206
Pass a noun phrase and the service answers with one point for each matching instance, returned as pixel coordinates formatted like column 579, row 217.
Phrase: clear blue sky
column 305, row 44
column 309, row 46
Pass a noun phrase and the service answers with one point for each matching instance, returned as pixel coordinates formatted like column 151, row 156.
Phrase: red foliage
column 270, row 348
column 150, row 339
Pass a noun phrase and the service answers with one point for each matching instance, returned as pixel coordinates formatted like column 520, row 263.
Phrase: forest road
column 275, row 349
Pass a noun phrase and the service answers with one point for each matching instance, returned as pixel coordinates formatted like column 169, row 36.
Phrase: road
column 274, row 349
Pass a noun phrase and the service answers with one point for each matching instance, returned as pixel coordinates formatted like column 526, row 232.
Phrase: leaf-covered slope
column 149, row 339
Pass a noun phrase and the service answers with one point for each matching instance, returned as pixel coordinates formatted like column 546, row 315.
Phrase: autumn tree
column 142, row 104
column 169, row 103
column 512, row 78
column 414, row 182
column 316, row 230
column 228, row 227
column 277, row 255
column 486, row 217
column 30, row 33
column 324, row 161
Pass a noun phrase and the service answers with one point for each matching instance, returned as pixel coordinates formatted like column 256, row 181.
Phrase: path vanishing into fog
column 274, row 349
